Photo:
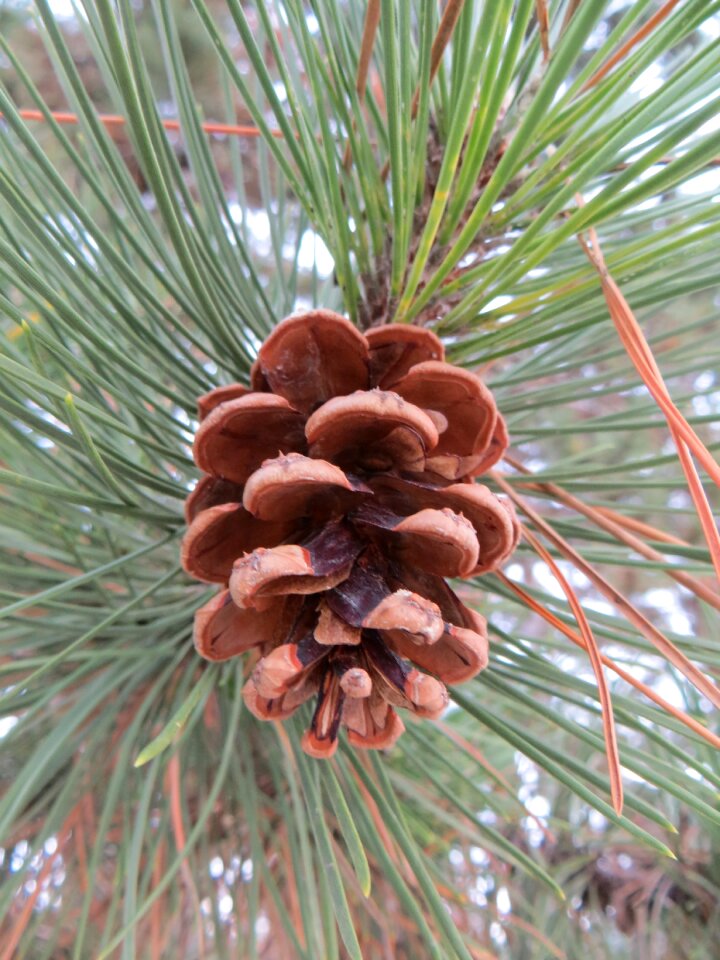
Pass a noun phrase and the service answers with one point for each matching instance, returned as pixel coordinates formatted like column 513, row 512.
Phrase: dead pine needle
column 647, row 28
column 543, row 19
column 372, row 19
column 532, row 604
column 665, row 646
column 684, row 437
column 608, row 721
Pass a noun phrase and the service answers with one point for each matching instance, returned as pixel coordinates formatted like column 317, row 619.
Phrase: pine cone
column 339, row 495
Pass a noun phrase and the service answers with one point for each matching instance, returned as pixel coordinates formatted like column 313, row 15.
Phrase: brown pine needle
column 480, row 758
column 612, row 523
column 174, row 789
column 372, row 19
column 80, row 845
column 647, row 28
column 26, row 913
column 293, row 895
column 116, row 120
column 643, row 688
column 158, row 908
column 608, row 721
column 620, row 602
column 645, row 529
column 684, row 437
column 544, row 27
column 446, row 28
column 396, row 855
column 569, row 14
column 700, row 500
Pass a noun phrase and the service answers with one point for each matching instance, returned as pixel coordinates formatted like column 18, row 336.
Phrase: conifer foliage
column 467, row 488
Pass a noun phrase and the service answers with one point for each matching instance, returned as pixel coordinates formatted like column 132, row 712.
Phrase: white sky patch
column 707, row 405
column 711, row 27
column 680, row 500
column 479, row 857
column 502, row 301
column 649, row 80
column 705, row 182
column 63, row 9
column 539, row 806
column 597, row 820
column 710, row 126
column 6, row 725
column 503, row 901
column 455, row 857
column 704, row 381
column 665, row 601
column 598, row 605
column 666, row 687
column 515, row 572
column 313, row 251
column 647, row 204
column 547, row 580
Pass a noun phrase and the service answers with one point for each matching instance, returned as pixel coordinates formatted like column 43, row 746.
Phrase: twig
column 178, row 829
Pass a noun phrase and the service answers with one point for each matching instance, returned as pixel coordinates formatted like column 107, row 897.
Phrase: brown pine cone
column 338, row 496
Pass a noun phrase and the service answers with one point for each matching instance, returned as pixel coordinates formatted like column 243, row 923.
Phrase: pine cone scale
column 238, row 435
column 373, row 429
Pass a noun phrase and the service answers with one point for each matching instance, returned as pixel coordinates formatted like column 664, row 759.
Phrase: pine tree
column 527, row 192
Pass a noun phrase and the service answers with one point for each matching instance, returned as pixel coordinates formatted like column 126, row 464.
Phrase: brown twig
column 116, row 120
column 157, row 915
column 569, row 14
column 175, row 792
